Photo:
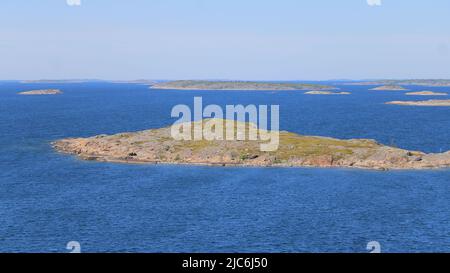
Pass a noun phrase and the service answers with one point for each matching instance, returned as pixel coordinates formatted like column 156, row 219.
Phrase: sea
column 48, row 199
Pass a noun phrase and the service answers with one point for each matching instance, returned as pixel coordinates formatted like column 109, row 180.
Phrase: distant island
column 203, row 84
column 238, row 85
column 426, row 93
column 326, row 93
column 157, row 146
column 42, row 92
column 389, row 88
column 422, row 103
column 418, row 82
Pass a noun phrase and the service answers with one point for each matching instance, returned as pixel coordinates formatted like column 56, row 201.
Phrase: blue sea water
column 48, row 199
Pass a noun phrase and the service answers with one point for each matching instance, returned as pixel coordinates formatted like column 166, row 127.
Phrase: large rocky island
column 157, row 146
column 237, row 85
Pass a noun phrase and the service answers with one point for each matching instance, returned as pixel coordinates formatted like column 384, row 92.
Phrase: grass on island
column 291, row 145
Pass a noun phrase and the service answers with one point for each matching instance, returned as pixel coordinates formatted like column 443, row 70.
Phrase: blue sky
column 224, row 39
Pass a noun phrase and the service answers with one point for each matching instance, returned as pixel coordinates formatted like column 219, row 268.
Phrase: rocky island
column 390, row 88
column 238, row 85
column 326, row 93
column 426, row 93
column 42, row 92
column 157, row 146
column 422, row 103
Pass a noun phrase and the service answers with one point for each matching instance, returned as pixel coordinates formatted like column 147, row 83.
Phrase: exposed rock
column 326, row 93
column 157, row 146
column 422, row 103
column 426, row 93
column 237, row 85
column 42, row 92
column 390, row 88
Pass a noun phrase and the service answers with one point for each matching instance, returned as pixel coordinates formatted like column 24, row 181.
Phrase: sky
column 224, row 39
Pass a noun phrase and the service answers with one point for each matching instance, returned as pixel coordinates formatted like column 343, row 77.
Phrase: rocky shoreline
column 326, row 93
column 156, row 146
column 237, row 86
column 389, row 88
column 42, row 92
column 426, row 93
column 436, row 103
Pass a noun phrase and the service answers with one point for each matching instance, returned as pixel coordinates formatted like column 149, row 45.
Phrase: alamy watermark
column 73, row 2
column 74, row 247
column 237, row 122
column 374, row 247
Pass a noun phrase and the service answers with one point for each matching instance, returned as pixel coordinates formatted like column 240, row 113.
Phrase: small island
column 42, row 92
column 156, row 146
column 238, row 85
column 390, row 88
column 422, row 103
column 326, row 93
column 426, row 93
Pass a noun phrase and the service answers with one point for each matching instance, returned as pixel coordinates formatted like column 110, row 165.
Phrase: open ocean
column 48, row 199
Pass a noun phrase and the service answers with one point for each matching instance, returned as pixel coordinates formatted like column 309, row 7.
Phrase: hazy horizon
column 287, row 40
column 211, row 79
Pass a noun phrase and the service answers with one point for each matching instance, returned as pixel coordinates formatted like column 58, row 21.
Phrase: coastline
column 239, row 89
column 238, row 86
column 105, row 159
column 426, row 103
column 155, row 146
